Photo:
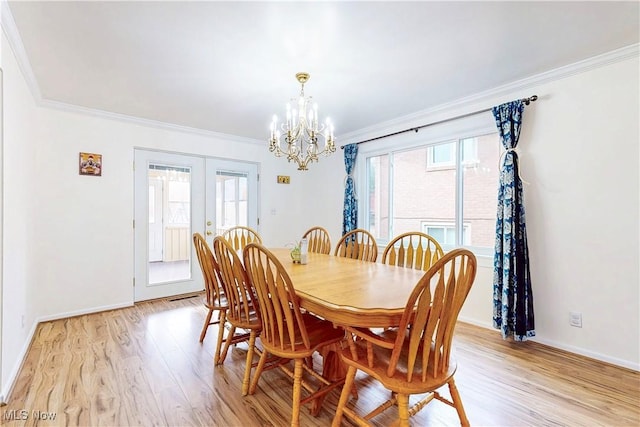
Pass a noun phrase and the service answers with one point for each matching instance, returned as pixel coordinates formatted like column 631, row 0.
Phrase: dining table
column 348, row 292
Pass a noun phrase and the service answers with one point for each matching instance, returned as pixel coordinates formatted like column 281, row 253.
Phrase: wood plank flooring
column 144, row 366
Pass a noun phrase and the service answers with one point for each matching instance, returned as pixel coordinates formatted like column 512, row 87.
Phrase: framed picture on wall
column 90, row 164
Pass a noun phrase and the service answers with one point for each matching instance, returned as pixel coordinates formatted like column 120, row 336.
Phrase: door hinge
column 134, row 223
column 258, row 221
column 134, row 166
column 258, row 177
column 134, row 282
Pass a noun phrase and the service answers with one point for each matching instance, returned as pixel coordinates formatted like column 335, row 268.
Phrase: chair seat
column 253, row 322
column 319, row 331
column 220, row 304
column 398, row 382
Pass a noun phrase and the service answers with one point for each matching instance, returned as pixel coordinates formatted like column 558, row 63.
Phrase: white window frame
column 432, row 164
column 455, row 146
column 425, row 225
column 455, row 130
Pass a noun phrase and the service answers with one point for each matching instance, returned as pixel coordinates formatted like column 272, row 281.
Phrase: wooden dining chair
column 287, row 332
column 318, row 240
column 416, row 357
column 357, row 244
column 241, row 236
column 412, row 250
column 215, row 299
column 242, row 313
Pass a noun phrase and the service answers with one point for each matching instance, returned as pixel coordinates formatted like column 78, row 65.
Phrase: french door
column 234, row 198
column 176, row 195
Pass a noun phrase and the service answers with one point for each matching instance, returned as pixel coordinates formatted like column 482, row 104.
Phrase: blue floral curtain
column 512, row 296
column 350, row 218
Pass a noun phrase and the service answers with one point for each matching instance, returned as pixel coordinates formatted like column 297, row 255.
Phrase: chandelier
column 301, row 131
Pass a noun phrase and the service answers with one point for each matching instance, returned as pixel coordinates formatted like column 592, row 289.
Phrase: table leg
column 333, row 370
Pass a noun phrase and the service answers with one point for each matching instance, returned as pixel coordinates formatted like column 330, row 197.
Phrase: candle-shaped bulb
column 315, row 116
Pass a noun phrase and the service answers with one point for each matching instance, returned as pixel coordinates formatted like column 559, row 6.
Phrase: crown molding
column 15, row 42
column 71, row 108
column 481, row 100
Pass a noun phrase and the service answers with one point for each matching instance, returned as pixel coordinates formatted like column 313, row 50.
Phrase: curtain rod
column 526, row 101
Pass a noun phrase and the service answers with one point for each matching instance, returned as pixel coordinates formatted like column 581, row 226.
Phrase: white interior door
column 232, row 196
column 169, row 206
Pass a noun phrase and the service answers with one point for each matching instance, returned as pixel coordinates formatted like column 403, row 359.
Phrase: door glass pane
column 421, row 194
column 231, row 200
column 378, row 193
column 169, row 223
column 480, row 190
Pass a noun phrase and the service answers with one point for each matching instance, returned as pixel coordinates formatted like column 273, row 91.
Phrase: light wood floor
column 144, row 366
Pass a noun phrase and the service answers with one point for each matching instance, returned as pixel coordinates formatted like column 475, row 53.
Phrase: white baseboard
column 83, row 311
column 475, row 322
column 571, row 349
column 6, row 391
column 13, row 376
column 593, row 355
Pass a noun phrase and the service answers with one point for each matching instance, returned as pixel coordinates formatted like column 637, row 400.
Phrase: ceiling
column 227, row 67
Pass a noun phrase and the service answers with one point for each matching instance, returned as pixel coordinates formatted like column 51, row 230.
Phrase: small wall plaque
column 90, row 164
column 283, row 179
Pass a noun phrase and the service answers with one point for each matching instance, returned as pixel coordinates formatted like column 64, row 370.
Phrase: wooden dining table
column 348, row 292
column 351, row 292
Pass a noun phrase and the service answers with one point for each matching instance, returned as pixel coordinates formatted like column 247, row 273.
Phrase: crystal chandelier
column 302, row 131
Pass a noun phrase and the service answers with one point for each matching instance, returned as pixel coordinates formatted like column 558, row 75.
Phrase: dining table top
column 348, row 291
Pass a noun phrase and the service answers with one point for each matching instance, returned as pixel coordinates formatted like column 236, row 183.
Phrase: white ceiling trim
column 146, row 122
column 479, row 100
column 15, row 42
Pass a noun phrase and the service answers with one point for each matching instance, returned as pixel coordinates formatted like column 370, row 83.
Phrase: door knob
column 209, row 233
column 209, row 223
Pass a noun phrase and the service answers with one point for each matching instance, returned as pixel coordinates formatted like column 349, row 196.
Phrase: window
column 444, row 155
column 231, row 199
column 446, row 189
column 445, row 233
column 441, row 155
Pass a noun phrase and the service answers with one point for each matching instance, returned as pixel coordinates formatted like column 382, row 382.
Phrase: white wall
column 84, row 223
column 20, row 175
column 1, row 205
column 580, row 153
column 579, row 149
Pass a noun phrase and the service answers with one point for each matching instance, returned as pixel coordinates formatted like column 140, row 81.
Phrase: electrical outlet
column 575, row 319
column 283, row 179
